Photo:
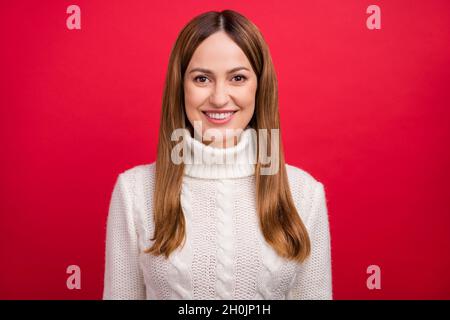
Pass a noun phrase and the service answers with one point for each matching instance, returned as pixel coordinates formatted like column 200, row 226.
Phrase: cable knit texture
column 225, row 255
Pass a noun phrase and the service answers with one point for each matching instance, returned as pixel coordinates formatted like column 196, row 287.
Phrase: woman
column 207, row 227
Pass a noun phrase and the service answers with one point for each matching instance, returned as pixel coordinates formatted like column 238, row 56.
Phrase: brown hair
column 279, row 220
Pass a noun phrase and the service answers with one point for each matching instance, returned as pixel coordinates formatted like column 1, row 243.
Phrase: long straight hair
column 279, row 220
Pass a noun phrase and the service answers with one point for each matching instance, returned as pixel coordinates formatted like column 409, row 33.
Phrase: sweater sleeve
column 123, row 278
column 313, row 278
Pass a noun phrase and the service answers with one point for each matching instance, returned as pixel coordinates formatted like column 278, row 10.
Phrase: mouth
column 219, row 117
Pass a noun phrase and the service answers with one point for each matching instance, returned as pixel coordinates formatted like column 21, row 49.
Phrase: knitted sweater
column 225, row 255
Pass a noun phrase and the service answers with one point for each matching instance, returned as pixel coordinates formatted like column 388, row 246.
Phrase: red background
column 364, row 111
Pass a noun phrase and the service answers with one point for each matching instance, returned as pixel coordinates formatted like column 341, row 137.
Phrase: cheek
column 247, row 98
column 194, row 96
column 188, row 96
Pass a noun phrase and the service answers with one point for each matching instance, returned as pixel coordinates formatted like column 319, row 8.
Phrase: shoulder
column 307, row 191
column 137, row 173
column 137, row 181
column 301, row 182
column 300, row 175
column 139, row 170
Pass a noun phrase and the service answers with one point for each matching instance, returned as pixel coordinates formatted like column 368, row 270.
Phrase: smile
column 219, row 117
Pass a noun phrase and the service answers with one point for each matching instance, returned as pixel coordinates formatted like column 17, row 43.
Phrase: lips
column 222, row 116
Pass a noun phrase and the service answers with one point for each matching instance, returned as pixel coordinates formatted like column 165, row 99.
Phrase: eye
column 200, row 77
column 240, row 77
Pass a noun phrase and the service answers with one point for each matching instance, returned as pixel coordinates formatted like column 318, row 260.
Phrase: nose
column 219, row 96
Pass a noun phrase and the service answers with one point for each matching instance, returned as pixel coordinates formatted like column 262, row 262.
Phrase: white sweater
column 225, row 255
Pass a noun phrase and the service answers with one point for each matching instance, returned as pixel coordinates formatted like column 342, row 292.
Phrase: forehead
column 218, row 52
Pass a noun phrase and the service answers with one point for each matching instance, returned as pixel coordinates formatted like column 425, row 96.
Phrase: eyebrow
column 210, row 72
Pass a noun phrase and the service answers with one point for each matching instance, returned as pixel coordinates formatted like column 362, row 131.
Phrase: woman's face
column 219, row 87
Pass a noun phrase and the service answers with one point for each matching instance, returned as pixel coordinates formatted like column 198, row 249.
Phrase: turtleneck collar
column 221, row 163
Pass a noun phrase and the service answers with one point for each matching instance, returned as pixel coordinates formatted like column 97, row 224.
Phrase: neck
column 215, row 162
column 226, row 143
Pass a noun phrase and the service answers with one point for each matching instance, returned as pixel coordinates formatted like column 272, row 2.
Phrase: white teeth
column 219, row 116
